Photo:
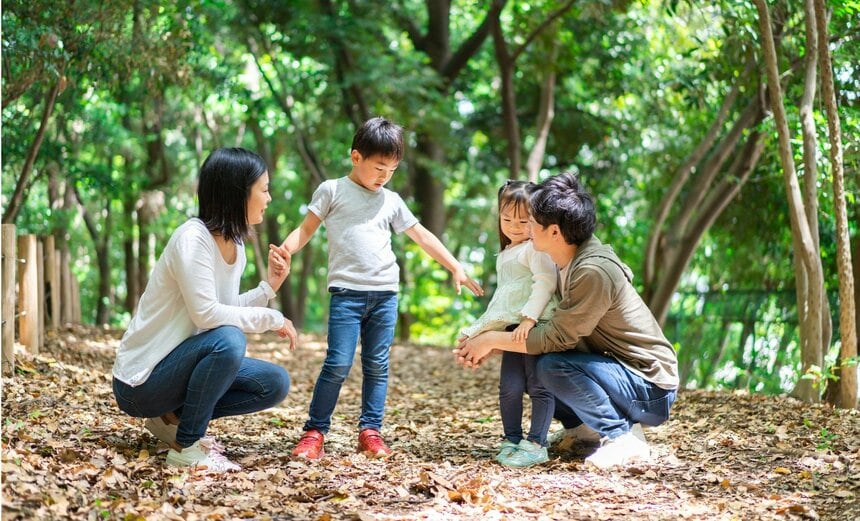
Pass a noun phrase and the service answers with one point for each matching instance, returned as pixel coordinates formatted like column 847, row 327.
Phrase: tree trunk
column 677, row 255
column 805, row 250
column 509, row 102
column 132, row 289
column 679, row 179
column 101, row 244
column 429, row 191
column 546, row 113
column 846, row 394
column 448, row 65
column 17, row 200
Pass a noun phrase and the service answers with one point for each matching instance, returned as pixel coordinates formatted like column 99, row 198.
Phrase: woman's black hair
column 516, row 194
column 226, row 178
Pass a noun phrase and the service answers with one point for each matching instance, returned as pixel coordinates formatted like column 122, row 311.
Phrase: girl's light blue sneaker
column 526, row 455
column 506, row 449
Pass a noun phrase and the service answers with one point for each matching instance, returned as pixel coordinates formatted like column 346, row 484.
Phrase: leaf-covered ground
column 68, row 453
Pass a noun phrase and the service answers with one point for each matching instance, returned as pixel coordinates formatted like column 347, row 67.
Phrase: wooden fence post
column 76, row 300
column 40, row 290
column 9, row 275
column 66, row 288
column 28, row 294
column 52, row 281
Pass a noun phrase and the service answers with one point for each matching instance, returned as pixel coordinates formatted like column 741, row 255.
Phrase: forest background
column 660, row 106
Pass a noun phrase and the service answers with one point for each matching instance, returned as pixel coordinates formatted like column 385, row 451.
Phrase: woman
column 182, row 363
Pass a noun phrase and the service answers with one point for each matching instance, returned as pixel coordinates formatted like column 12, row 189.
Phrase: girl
column 182, row 363
column 524, row 295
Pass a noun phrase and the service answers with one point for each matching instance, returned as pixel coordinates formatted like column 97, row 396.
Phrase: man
column 604, row 356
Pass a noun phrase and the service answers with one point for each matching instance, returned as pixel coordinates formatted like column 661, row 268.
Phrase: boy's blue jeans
column 206, row 377
column 600, row 392
column 372, row 316
column 517, row 377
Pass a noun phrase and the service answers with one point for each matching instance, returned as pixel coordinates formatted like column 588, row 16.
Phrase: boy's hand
column 461, row 279
column 279, row 265
column 289, row 331
column 522, row 331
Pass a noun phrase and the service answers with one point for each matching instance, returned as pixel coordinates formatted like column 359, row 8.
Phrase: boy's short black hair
column 562, row 200
column 378, row 136
column 225, row 184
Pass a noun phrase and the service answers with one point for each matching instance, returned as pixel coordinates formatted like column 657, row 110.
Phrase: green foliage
column 152, row 87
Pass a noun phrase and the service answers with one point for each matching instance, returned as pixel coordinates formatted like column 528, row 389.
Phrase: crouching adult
column 182, row 362
column 603, row 354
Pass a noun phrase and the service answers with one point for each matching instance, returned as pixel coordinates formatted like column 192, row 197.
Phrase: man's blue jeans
column 206, row 377
column 371, row 315
column 600, row 392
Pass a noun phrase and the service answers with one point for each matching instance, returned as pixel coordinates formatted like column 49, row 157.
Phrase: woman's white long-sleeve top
column 525, row 288
column 192, row 289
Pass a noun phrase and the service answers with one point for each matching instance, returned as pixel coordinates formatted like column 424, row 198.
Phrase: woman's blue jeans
column 600, row 392
column 370, row 315
column 206, row 377
column 518, row 377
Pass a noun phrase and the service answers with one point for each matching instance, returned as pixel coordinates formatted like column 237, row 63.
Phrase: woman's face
column 259, row 199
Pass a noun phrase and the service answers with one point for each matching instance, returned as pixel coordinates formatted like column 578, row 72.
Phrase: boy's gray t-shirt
column 358, row 226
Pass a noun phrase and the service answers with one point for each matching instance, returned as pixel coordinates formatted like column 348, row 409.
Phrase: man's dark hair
column 562, row 200
column 225, row 184
column 378, row 136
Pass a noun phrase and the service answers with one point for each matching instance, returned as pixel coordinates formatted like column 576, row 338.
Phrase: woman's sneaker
column 627, row 448
column 505, row 450
column 162, row 430
column 201, row 455
column 526, row 455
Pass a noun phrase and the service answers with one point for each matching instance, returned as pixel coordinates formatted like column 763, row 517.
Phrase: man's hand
column 279, row 265
column 289, row 331
column 472, row 352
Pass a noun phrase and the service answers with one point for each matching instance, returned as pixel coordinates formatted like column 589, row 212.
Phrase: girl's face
column 514, row 221
column 259, row 199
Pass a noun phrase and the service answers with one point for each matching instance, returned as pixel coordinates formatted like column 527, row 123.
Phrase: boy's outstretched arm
column 297, row 239
column 434, row 247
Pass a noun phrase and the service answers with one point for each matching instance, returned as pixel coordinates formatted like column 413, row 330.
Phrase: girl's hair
column 225, row 184
column 378, row 136
column 516, row 194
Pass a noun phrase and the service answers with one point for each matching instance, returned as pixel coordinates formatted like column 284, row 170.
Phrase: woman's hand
column 279, row 265
column 289, row 331
column 522, row 331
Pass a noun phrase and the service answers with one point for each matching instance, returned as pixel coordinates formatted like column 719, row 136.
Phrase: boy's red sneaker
column 310, row 445
column 370, row 443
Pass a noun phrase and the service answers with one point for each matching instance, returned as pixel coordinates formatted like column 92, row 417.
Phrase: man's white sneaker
column 162, row 430
column 627, row 448
column 201, row 455
column 582, row 434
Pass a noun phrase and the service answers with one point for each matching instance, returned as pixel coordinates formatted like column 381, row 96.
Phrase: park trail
column 69, row 453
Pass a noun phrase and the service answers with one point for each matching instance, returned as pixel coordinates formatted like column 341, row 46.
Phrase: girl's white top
column 192, row 289
column 525, row 288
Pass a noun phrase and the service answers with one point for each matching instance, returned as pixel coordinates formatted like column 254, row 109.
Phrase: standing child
column 524, row 295
column 363, row 279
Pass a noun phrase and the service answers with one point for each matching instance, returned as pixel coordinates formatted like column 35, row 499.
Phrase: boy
column 363, row 279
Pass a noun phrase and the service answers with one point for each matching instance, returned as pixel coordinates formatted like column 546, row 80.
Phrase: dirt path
column 68, row 453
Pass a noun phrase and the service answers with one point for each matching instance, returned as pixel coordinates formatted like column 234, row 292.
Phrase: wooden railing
column 39, row 292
